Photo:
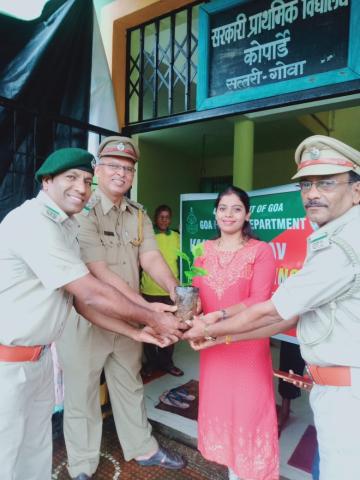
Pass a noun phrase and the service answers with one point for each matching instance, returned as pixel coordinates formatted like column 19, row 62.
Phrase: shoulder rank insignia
column 53, row 214
column 134, row 204
column 320, row 242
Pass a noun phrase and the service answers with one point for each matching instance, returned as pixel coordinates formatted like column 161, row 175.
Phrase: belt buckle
column 308, row 371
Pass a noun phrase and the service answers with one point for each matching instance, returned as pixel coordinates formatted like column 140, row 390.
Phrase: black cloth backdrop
column 45, row 66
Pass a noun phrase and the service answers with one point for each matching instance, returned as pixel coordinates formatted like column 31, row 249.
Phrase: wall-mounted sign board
column 256, row 49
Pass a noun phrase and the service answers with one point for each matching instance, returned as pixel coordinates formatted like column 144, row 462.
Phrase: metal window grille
column 162, row 66
column 27, row 137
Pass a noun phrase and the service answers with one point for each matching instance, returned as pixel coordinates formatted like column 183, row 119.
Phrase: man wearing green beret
column 41, row 272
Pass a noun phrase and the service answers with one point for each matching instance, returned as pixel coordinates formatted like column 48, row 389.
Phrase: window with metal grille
column 162, row 66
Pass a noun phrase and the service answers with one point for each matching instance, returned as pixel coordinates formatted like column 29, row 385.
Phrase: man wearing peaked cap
column 123, row 147
column 41, row 272
column 115, row 236
column 321, row 155
column 323, row 299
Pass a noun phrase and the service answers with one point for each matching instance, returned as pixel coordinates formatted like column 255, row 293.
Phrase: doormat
column 303, row 455
column 192, row 412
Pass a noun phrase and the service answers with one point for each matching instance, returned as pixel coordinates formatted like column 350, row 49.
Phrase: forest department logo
column 192, row 226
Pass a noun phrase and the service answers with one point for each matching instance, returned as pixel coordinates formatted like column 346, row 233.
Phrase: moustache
column 313, row 203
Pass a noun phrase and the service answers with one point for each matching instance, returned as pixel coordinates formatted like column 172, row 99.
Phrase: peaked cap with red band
column 123, row 147
column 321, row 155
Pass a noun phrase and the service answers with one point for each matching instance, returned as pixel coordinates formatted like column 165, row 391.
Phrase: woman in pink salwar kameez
column 237, row 424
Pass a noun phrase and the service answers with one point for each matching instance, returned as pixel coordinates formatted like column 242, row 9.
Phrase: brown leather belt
column 331, row 376
column 20, row 354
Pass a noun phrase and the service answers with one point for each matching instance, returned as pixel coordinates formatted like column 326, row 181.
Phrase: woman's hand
column 212, row 317
column 196, row 330
column 198, row 325
column 202, row 344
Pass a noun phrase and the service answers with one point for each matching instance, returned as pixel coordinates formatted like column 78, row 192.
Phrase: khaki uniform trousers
column 337, row 421
column 26, row 405
column 84, row 350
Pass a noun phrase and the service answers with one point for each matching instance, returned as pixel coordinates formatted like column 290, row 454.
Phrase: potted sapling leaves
column 186, row 296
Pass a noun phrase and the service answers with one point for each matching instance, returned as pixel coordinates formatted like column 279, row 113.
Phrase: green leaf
column 183, row 256
column 198, row 271
column 192, row 271
column 197, row 250
column 189, row 278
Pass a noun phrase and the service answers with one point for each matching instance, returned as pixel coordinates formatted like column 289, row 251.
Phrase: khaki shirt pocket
column 111, row 244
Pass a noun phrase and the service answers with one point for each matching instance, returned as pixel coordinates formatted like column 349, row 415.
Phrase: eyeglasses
column 324, row 185
column 116, row 168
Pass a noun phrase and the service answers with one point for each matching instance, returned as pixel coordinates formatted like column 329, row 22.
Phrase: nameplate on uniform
column 110, row 234
column 319, row 243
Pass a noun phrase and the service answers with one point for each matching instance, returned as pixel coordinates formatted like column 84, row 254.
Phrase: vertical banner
column 277, row 217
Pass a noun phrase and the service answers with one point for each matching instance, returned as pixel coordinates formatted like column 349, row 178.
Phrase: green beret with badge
column 66, row 159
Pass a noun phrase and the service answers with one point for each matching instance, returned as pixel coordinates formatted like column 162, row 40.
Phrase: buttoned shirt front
column 39, row 254
column 318, row 291
column 110, row 233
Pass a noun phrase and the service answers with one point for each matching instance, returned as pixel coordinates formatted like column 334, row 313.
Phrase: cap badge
column 120, row 147
column 314, row 153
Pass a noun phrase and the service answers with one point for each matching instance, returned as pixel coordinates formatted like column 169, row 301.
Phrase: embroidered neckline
column 224, row 274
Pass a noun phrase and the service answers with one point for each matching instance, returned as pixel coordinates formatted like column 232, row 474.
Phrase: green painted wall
column 273, row 168
column 217, row 166
column 163, row 175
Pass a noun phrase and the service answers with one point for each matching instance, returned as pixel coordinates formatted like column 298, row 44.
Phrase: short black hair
column 162, row 208
column 354, row 177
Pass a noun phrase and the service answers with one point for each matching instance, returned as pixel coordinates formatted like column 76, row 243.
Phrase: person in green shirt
column 169, row 243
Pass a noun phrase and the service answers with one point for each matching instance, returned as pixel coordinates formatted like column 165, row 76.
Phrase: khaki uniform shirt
column 109, row 233
column 39, row 254
column 328, row 329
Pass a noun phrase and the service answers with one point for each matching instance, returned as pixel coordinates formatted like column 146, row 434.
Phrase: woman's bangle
column 224, row 314
column 228, row 339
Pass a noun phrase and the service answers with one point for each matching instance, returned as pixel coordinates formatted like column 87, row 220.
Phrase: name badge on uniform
column 319, row 243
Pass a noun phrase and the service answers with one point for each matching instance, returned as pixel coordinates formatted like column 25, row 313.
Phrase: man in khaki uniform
column 116, row 238
column 325, row 293
column 41, row 270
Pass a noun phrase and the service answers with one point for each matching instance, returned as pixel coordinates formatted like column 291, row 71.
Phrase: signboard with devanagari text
column 256, row 49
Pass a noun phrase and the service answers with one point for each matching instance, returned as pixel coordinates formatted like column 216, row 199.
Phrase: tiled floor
column 187, row 360
column 113, row 467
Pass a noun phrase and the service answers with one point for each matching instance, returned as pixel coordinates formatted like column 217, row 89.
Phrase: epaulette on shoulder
column 93, row 200
column 136, row 205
